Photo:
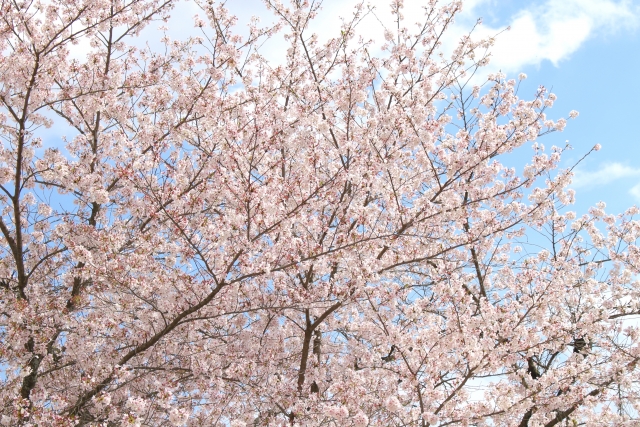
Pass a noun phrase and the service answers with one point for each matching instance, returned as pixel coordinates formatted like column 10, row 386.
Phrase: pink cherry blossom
column 360, row 419
column 196, row 234
column 392, row 404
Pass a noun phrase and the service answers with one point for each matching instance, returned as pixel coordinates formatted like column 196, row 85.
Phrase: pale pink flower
column 392, row 404
column 560, row 124
column 178, row 417
column 360, row 419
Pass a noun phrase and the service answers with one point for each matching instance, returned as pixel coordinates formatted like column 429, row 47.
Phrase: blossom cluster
column 334, row 240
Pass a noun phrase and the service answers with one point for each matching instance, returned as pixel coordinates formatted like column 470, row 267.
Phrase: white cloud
column 607, row 173
column 555, row 29
column 635, row 191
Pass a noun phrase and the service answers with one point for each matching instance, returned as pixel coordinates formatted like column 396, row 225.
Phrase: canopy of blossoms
column 334, row 240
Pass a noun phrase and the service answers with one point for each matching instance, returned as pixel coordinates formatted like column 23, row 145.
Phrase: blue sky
column 588, row 52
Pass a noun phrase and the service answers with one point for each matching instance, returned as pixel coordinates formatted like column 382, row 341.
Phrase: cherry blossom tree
column 336, row 239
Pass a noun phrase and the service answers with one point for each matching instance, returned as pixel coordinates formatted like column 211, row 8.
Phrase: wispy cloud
column 606, row 174
column 555, row 29
column 635, row 191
